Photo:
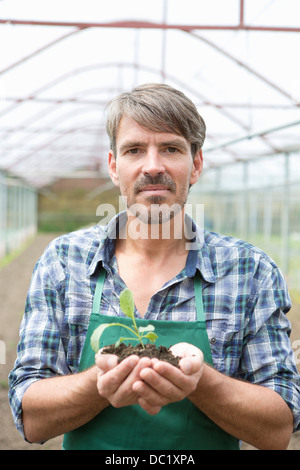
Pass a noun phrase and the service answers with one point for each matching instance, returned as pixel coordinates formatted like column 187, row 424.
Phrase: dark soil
column 150, row 350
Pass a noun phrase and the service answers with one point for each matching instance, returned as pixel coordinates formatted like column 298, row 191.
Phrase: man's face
column 153, row 168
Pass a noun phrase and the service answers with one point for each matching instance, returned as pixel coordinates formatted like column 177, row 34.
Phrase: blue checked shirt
column 245, row 301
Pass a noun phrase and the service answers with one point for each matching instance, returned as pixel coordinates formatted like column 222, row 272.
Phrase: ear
column 197, row 167
column 112, row 168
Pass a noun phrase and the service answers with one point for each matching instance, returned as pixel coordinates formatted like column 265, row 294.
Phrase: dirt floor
column 14, row 282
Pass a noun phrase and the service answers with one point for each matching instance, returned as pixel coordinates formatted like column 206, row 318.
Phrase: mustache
column 146, row 180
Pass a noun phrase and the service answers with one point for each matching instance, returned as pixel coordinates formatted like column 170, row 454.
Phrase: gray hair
column 158, row 108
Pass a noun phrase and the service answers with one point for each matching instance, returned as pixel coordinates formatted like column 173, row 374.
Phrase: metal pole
column 241, row 13
column 268, row 215
column 3, row 215
column 285, row 217
column 217, row 222
column 164, row 42
column 150, row 25
column 252, row 136
column 242, row 216
column 253, row 211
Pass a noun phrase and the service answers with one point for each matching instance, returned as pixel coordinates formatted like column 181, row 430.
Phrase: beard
column 158, row 212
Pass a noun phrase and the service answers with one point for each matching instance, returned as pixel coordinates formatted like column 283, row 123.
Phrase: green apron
column 178, row 426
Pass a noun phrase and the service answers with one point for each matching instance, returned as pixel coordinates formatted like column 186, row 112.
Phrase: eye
column 133, row 151
column 172, row 150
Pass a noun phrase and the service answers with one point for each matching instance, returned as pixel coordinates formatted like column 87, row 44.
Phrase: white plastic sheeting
column 63, row 61
column 18, row 214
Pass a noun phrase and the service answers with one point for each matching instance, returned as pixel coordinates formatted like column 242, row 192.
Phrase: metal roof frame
column 65, row 130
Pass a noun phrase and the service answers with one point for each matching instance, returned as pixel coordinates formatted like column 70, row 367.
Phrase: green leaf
column 97, row 333
column 120, row 340
column 146, row 328
column 151, row 336
column 127, row 303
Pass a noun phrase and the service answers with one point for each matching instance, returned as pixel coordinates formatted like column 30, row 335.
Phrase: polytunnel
column 61, row 62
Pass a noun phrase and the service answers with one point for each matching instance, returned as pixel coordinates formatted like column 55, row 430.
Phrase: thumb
column 106, row 362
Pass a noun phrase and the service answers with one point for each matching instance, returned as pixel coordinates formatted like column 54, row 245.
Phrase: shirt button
column 213, row 340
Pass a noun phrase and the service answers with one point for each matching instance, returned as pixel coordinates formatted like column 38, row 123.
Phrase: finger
column 110, row 381
column 150, row 409
column 168, row 371
column 105, row 362
column 191, row 364
column 185, row 349
column 184, row 383
column 186, row 366
column 116, row 386
column 157, row 388
column 148, row 394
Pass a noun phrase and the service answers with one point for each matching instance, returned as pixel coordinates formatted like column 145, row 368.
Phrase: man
column 218, row 300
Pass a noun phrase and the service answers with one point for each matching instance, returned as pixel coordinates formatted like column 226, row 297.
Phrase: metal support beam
column 243, row 204
column 241, row 13
column 247, row 67
column 285, row 217
column 38, row 51
column 252, row 136
column 150, row 25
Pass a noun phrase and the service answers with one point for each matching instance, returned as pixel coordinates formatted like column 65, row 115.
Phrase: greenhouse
column 61, row 64
column 57, row 75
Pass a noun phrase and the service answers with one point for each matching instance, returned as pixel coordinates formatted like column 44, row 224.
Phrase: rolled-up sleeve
column 268, row 358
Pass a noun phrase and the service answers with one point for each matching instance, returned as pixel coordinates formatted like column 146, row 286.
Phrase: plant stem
column 137, row 331
column 128, row 328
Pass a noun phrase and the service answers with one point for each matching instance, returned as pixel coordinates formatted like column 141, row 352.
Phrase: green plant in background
column 127, row 306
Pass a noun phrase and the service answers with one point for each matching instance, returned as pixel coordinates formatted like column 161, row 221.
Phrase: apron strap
column 98, row 290
column 197, row 288
column 198, row 297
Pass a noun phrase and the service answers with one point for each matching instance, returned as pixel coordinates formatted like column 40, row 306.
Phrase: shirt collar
column 199, row 251
column 198, row 256
column 107, row 234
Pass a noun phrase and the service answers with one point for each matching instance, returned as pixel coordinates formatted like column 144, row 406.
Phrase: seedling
column 127, row 306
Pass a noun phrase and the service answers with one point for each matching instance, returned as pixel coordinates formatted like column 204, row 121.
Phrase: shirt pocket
column 225, row 333
column 77, row 317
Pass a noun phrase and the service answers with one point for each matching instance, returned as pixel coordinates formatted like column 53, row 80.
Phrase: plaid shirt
column 245, row 301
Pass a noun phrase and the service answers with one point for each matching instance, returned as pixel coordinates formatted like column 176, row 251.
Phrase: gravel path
column 14, row 283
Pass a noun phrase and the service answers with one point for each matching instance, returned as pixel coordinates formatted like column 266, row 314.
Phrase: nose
column 153, row 163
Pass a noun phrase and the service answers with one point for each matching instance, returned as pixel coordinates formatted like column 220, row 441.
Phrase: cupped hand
column 161, row 383
column 192, row 358
column 115, row 381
